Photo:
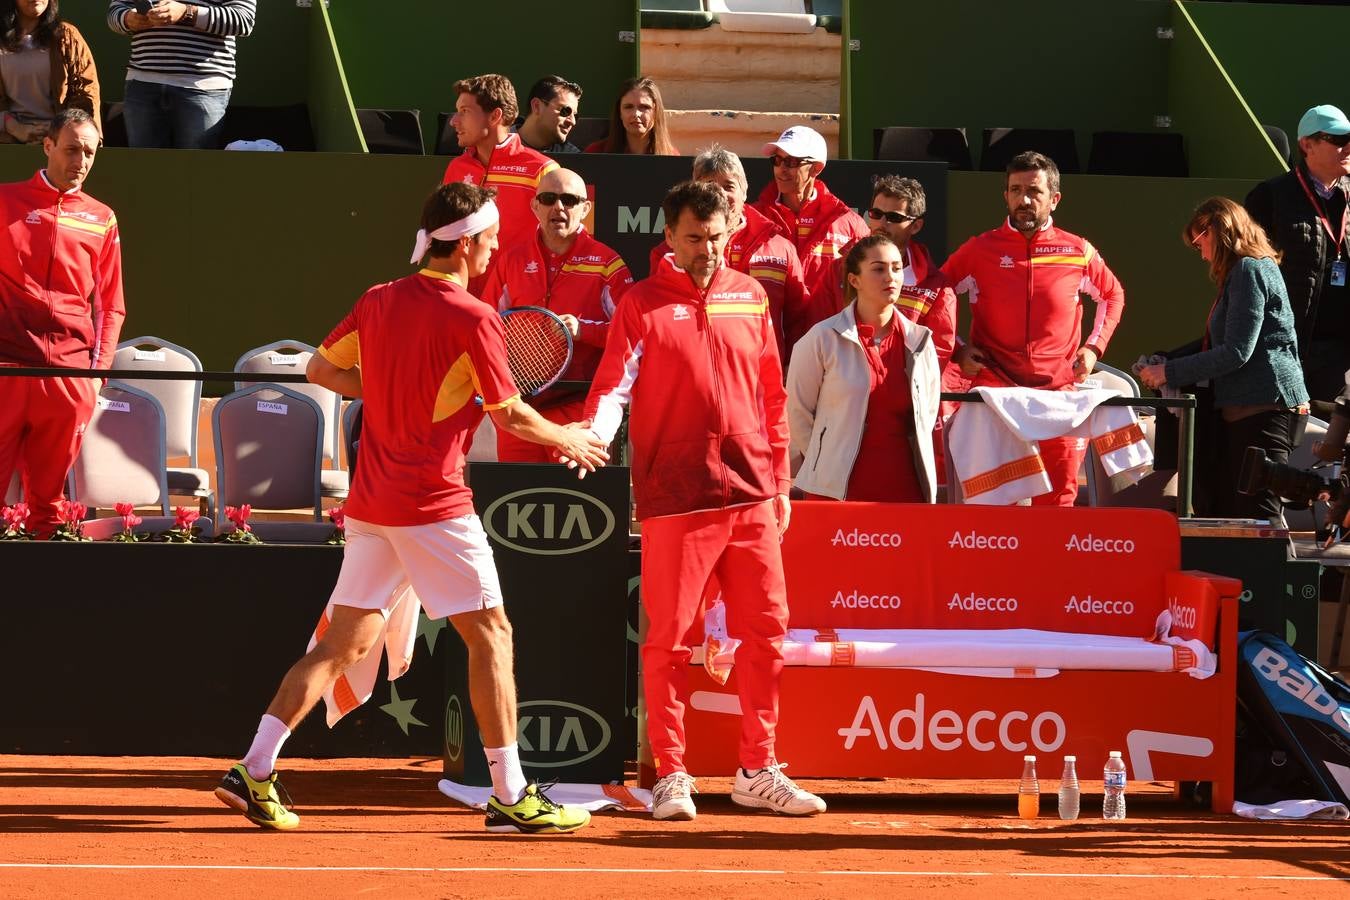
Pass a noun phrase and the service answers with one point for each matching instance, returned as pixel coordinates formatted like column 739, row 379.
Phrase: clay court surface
column 149, row 827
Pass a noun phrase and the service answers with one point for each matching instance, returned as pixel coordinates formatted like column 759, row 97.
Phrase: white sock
column 508, row 781
column 261, row 758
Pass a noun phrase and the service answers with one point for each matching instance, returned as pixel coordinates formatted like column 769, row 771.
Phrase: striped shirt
column 203, row 51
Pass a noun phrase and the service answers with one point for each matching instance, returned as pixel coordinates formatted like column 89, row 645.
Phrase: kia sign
column 454, row 729
column 548, row 521
column 554, row 734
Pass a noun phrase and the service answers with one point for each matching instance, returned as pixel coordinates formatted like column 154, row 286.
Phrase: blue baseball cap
column 1326, row 119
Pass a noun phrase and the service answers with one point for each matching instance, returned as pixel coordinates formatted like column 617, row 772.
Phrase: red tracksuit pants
column 513, row 450
column 42, row 422
column 680, row 555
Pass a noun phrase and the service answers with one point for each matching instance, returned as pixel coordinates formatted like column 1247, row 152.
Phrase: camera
column 144, row 6
column 1297, row 487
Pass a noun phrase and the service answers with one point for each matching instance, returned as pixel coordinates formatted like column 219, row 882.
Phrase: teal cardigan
column 1253, row 351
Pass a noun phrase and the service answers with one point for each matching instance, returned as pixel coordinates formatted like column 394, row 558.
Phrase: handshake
column 578, row 447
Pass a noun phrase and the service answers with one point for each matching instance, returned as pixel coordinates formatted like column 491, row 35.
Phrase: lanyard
column 1321, row 215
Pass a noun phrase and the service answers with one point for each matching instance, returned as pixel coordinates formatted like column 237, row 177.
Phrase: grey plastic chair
column 181, row 401
column 122, row 457
column 1154, row 489
column 269, row 449
column 291, row 358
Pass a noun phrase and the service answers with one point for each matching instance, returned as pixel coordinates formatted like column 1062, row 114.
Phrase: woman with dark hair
column 1249, row 354
column 637, row 122
column 863, row 391
column 45, row 67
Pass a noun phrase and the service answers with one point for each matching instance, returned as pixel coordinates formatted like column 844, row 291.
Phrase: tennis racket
column 538, row 348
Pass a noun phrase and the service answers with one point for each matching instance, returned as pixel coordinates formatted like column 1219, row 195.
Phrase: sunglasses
column 1336, row 140
column 895, row 218
column 562, row 111
column 788, row 162
column 548, row 198
column 1195, row 241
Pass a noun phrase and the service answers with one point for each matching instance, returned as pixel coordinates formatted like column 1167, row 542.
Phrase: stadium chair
column 829, row 14
column 446, row 142
column 1302, row 458
column 291, row 357
column 677, row 14
column 14, row 490
column 269, row 449
column 588, row 130
column 773, row 16
column 114, row 126
column 287, row 125
column 351, row 433
column 122, row 458
column 1148, row 153
column 1280, row 139
column 110, row 526
column 391, row 130
column 1002, row 144
column 947, row 145
column 1155, row 489
column 181, row 401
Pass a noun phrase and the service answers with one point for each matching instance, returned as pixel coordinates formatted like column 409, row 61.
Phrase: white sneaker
column 670, row 797
column 771, row 789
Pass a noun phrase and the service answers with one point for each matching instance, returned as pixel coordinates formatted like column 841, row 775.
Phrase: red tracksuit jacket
column 758, row 250
column 1025, row 303
column 588, row 285
column 514, row 170
column 702, row 373
column 61, row 298
column 820, row 232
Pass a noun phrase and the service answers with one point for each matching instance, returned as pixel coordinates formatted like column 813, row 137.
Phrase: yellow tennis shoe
column 259, row 801
column 534, row 813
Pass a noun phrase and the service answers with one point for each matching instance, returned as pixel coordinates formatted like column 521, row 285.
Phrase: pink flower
column 184, row 517
column 130, row 521
column 124, row 509
column 70, row 512
column 338, row 517
column 239, row 516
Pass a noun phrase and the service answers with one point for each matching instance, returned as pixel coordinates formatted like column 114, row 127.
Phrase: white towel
column 398, row 637
column 583, row 796
column 1292, row 809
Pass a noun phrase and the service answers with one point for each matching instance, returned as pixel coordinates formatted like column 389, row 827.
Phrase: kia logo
column 454, row 729
column 555, row 733
column 548, row 521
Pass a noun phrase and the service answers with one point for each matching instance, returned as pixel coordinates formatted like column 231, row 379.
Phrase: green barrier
column 1223, row 138
column 1284, row 58
column 407, row 55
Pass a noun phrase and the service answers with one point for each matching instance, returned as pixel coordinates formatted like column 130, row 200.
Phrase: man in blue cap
column 1304, row 211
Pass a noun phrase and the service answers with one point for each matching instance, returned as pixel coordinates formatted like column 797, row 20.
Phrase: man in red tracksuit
column 1025, row 280
column 485, row 109
column 567, row 271
column 692, row 349
column 60, row 305
column 756, row 248
column 802, row 208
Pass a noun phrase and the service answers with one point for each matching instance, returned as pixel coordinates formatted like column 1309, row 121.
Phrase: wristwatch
column 189, row 19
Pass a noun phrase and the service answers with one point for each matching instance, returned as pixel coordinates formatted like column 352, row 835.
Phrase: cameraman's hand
column 1338, row 517
column 1153, row 376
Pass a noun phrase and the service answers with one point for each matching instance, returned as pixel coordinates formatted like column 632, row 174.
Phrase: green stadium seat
column 947, row 145
column 391, row 130
column 829, row 14
column 1148, row 153
column 1278, row 136
column 687, row 20
column 1002, row 144
column 287, row 125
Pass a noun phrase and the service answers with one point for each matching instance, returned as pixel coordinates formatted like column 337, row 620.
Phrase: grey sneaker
column 671, row 797
column 770, row 789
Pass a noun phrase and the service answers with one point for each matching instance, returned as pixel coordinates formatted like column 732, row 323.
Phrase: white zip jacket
column 828, row 386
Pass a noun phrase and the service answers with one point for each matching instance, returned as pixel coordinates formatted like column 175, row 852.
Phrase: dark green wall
column 1090, row 66
column 331, row 112
column 272, row 61
column 410, row 59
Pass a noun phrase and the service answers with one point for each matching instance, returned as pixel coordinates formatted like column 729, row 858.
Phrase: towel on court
column 398, row 637
column 1292, row 809
column 590, row 797
column 993, row 444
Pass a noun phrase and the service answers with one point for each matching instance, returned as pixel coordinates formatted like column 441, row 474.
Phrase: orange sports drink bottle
column 1029, row 790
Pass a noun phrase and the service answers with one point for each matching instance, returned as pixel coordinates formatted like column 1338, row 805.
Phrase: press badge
column 1338, row 273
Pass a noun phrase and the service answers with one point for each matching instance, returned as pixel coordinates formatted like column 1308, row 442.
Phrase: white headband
column 479, row 220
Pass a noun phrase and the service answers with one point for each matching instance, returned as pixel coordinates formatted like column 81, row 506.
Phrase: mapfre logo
column 548, row 521
column 975, row 541
column 984, row 730
column 1087, row 543
column 889, row 540
column 556, row 733
column 638, row 220
column 1276, row 669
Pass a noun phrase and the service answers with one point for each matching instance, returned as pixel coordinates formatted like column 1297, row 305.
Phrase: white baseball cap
column 801, row 142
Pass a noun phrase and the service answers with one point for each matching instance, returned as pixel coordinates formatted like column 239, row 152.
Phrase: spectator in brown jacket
column 45, row 67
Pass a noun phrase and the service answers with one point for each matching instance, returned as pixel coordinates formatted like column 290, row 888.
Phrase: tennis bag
column 1293, row 740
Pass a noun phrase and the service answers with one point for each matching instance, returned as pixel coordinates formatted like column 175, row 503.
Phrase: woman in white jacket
column 863, row 392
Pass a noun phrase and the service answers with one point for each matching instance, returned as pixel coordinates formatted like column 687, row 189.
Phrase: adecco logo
column 548, row 521
column 556, row 733
column 454, row 729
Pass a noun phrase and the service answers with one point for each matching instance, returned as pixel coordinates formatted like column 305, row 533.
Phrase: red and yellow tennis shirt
column 426, row 347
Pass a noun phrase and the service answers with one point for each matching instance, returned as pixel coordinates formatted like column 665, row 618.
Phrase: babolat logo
column 556, row 733
column 947, row 729
column 856, row 538
column 972, row 603
column 548, row 521
column 1276, row 669
column 973, row 541
column 1087, row 543
column 454, row 729
column 1090, row 606
column 859, row 600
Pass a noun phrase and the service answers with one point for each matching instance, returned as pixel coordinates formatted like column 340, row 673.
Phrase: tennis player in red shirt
column 418, row 350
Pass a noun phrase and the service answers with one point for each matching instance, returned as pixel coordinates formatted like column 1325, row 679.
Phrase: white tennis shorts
column 448, row 563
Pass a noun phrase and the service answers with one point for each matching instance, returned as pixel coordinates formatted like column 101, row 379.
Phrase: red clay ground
column 143, row 827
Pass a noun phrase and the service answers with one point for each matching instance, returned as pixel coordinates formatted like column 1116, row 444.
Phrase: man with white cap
column 1304, row 213
column 429, row 359
column 799, row 204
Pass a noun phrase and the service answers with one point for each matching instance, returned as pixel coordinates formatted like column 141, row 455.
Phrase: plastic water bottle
column 1029, row 791
column 1068, row 790
column 1113, row 797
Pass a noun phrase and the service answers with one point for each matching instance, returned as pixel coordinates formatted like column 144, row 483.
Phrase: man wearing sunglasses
column 554, row 102
column 1304, row 213
column 802, row 208
column 565, row 270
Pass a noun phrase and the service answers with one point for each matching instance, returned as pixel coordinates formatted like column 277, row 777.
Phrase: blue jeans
column 162, row 115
